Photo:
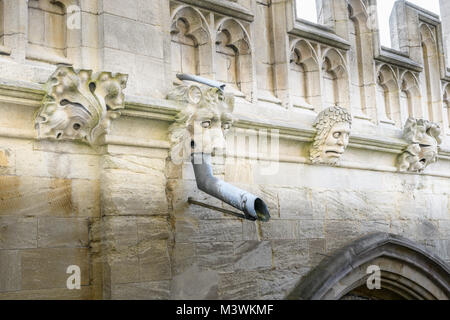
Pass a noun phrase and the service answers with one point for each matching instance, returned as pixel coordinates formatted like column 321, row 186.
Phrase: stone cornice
column 31, row 94
column 226, row 8
column 400, row 59
column 319, row 33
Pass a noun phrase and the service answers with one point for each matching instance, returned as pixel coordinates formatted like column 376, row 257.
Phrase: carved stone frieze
column 333, row 130
column 80, row 105
column 424, row 139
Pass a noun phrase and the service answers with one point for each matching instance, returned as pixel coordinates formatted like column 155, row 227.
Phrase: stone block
column 90, row 30
column 155, row 85
column 124, row 267
column 215, row 256
column 238, row 286
column 279, row 229
column 295, row 203
column 121, row 61
column 277, row 284
column 317, row 249
column 135, row 164
column 121, row 8
column 35, row 196
column 153, row 228
column 412, row 205
column 195, row 284
column 183, row 257
column 7, row 161
column 85, row 293
column 307, row 229
column 18, row 232
column 416, row 230
column 56, row 165
column 250, row 230
column 86, row 198
column 61, row 232
column 120, row 233
column 252, row 255
column 127, row 193
column 149, row 12
column 218, row 231
column 338, row 233
column 46, row 268
column 132, row 36
column 10, row 271
column 154, row 261
column 288, row 254
column 154, row 290
column 371, row 226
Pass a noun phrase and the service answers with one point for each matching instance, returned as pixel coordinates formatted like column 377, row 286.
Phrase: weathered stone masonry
column 116, row 205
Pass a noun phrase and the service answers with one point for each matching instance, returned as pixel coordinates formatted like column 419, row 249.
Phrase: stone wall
column 119, row 210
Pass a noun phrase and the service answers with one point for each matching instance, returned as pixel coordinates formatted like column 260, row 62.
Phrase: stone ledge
column 28, row 93
column 315, row 32
column 224, row 7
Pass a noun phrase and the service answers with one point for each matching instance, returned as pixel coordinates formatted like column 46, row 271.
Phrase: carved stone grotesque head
column 424, row 139
column 201, row 125
column 333, row 130
column 79, row 105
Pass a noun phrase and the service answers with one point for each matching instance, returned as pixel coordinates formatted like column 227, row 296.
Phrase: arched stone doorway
column 407, row 271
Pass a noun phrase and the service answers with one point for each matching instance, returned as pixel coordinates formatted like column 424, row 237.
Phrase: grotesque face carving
column 333, row 131
column 201, row 126
column 424, row 139
column 79, row 105
column 336, row 142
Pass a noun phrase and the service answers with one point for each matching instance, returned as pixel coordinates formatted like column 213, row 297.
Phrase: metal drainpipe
column 252, row 206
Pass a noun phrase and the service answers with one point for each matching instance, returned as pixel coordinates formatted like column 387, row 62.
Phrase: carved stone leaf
column 424, row 139
column 80, row 106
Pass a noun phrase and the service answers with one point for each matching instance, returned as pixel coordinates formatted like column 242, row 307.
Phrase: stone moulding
column 79, row 105
column 424, row 139
column 330, row 279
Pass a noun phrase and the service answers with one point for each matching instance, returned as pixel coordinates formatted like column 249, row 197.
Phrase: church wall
column 120, row 210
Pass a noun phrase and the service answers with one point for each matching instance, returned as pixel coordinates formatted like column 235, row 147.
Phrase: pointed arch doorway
column 406, row 272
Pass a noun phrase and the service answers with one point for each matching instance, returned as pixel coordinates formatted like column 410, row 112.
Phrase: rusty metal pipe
column 252, row 206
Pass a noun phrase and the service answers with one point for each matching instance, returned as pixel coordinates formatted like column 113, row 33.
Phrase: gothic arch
column 431, row 73
column 335, row 87
column 190, row 42
column 411, row 89
column 388, row 96
column 446, row 102
column 304, row 75
column 233, row 58
column 358, row 12
column 408, row 271
column 359, row 55
column 53, row 48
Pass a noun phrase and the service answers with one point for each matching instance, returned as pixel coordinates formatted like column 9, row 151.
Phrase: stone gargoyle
column 424, row 138
column 199, row 131
column 333, row 130
column 80, row 105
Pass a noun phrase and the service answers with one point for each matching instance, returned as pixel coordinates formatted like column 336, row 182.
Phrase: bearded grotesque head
column 424, row 139
column 333, row 130
column 202, row 123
